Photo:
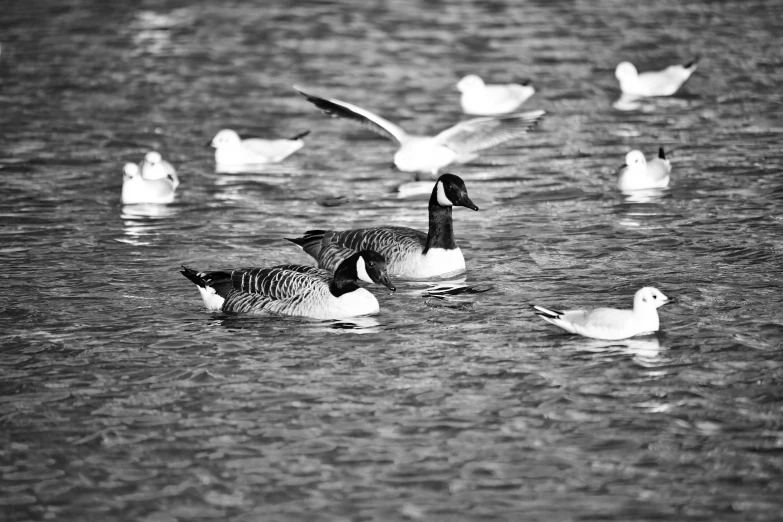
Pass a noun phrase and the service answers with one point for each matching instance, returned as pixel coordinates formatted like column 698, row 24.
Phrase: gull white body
column 481, row 99
column 138, row 190
column 641, row 174
column 429, row 154
column 653, row 83
column 232, row 152
column 611, row 324
column 154, row 167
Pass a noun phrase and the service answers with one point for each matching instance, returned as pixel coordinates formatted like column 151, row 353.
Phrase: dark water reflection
column 121, row 399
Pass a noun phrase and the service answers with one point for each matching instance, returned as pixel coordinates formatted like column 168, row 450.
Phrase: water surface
column 122, row 399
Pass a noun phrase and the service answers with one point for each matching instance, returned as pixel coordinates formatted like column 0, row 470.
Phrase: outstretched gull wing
column 341, row 109
column 482, row 133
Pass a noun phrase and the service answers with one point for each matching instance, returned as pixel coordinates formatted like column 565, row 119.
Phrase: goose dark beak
column 466, row 202
column 385, row 280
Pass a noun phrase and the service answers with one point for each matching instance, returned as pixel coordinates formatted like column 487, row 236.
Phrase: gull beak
column 209, row 144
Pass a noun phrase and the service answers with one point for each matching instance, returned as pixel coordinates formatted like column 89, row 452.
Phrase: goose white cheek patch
column 442, row 199
column 361, row 271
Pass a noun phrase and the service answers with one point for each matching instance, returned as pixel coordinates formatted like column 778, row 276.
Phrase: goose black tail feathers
column 220, row 281
column 310, row 242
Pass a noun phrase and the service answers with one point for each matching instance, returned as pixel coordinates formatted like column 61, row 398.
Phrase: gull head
column 470, row 82
column 625, row 71
column 130, row 171
column 153, row 157
column 371, row 268
column 225, row 137
column 635, row 161
column 649, row 297
column 152, row 166
column 451, row 191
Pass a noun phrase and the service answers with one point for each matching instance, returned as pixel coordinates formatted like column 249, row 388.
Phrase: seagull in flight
column 428, row 154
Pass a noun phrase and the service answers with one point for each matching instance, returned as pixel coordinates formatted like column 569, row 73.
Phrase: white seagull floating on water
column 481, row 99
column 458, row 144
column 153, row 166
column 653, row 83
column 611, row 324
column 640, row 174
column 233, row 153
column 154, row 180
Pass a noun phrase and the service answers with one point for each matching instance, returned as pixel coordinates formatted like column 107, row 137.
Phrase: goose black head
column 371, row 267
column 451, row 191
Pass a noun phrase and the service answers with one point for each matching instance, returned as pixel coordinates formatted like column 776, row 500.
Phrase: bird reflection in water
column 646, row 350
column 143, row 221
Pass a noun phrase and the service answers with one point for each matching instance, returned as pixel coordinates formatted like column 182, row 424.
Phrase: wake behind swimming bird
column 428, row 154
column 232, row 153
column 410, row 253
column 295, row 290
column 640, row 174
column 481, row 99
column 653, row 83
column 611, row 324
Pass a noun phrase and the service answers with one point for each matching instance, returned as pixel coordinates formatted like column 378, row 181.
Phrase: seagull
column 653, row 83
column 611, row 324
column 154, row 167
column 640, row 174
column 137, row 190
column 428, row 154
column 232, row 152
column 481, row 99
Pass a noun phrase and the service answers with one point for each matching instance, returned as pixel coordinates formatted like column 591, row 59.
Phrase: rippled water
column 122, row 399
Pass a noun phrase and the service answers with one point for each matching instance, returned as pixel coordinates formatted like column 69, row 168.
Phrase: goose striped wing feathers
column 279, row 282
column 278, row 289
column 483, row 133
column 394, row 243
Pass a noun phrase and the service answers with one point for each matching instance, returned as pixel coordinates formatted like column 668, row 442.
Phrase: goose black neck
column 441, row 232
column 345, row 277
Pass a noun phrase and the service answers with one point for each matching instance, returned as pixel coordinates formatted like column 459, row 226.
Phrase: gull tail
column 692, row 64
column 661, row 154
column 546, row 313
column 310, row 242
column 300, row 135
